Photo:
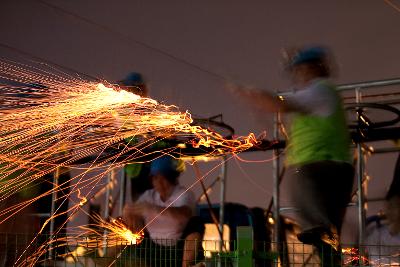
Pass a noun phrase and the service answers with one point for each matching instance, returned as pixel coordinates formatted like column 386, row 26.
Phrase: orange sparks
column 120, row 230
column 49, row 121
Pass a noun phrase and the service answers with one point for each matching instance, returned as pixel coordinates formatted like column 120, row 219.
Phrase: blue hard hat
column 166, row 165
column 132, row 79
column 309, row 54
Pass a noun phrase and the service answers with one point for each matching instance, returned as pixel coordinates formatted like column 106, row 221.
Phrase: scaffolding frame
column 358, row 88
column 276, row 165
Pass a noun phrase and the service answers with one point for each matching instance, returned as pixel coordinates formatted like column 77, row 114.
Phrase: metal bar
column 360, row 85
column 275, row 195
column 384, row 150
column 369, row 84
column 56, row 176
column 208, row 190
column 110, row 177
column 389, row 94
column 222, row 201
column 360, row 189
column 360, row 200
column 122, row 190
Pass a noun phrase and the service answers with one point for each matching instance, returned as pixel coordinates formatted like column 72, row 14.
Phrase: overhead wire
column 129, row 40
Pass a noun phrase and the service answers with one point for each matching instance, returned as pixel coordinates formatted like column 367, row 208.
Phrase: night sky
column 188, row 50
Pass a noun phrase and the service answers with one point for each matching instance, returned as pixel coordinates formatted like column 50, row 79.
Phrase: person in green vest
column 136, row 173
column 318, row 158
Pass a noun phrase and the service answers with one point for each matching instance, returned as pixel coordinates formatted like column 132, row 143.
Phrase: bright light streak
column 119, row 230
column 51, row 120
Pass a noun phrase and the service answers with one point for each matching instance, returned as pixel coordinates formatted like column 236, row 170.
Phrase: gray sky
column 177, row 44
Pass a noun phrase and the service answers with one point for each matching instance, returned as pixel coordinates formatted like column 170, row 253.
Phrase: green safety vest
column 314, row 138
column 133, row 169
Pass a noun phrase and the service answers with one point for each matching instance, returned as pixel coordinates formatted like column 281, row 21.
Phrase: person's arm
column 317, row 99
column 133, row 220
column 262, row 99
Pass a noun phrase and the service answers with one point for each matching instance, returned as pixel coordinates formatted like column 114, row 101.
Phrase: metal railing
column 245, row 252
column 358, row 89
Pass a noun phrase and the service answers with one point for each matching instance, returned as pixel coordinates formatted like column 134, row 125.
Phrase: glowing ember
column 50, row 120
column 120, row 230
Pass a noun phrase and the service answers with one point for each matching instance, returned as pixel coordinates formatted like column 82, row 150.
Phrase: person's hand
column 128, row 217
column 133, row 214
column 242, row 92
column 256, row 98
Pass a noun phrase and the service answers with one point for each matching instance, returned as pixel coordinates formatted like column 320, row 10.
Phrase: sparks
column 50, row 120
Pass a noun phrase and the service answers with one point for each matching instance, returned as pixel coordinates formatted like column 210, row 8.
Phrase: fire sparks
column 50, row 120
column 120, row 230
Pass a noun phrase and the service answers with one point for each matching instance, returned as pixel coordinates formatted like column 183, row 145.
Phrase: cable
column 129, row 40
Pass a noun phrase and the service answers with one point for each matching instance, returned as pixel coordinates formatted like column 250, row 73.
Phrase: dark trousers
column 320, row 193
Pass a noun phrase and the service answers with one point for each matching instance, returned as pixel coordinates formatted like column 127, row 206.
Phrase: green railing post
column 244, row 249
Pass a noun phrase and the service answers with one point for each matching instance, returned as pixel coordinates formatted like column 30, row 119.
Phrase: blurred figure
column 318, row 152
column 136, row 173
column 134, row 83
column 383, row 230
column 167, row 213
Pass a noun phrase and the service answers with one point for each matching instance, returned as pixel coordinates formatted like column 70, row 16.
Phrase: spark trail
column 51, row 120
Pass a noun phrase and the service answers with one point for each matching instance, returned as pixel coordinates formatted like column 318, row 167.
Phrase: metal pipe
column 385, row 150
column 110, row 179
column 360, row 85
column 368, row 84
column 122, row 192
column 208, row 190
column 222, row 206
column 388, row 94
column 222, row 200
column 360, row 189
column 275, row 194
column 361, row 197
column 56, row 177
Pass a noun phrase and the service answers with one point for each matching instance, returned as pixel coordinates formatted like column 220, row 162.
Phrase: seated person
column 383, row 231
column 166, row 212
column 383, row 234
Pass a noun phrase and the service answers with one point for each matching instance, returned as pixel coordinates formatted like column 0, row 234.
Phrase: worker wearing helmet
column 166, row 211
column 320, row 174
column 134, row 83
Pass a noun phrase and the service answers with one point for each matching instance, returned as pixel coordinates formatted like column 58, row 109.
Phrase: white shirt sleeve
column 317, row 99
